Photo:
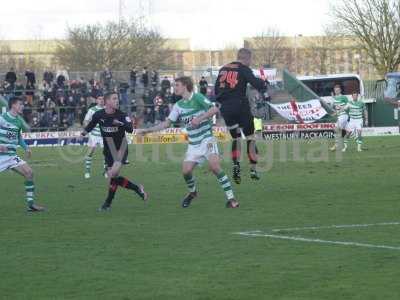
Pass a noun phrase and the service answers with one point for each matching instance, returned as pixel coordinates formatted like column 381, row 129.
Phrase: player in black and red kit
column 230, row 91
column 113, row 125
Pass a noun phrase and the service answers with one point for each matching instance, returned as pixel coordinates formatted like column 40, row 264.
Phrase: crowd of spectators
column 57, row 102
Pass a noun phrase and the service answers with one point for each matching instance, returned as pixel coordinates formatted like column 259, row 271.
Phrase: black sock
column 111, row 192
column 252, row 152
column 125, row 183
column 235, row 151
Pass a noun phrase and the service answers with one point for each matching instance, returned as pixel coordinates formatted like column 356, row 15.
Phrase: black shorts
column 109, row 159
column 238, row 117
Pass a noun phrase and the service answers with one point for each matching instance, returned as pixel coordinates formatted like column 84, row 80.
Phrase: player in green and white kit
column 357, row 113
column 339, row 102
column 11, row 125
column 196, row 111
column 95, row 138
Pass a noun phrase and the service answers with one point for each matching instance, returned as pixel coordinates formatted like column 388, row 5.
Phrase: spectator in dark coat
column 95, row 89
column 30, row 85
column 61, row 80
column 11, row 77
column 106, row 78
column 203, row 86
column 145, row 77
column 48, row 77
column 154, row 79
column 165, row 85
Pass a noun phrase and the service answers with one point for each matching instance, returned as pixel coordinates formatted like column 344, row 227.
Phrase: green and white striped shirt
column 356, row 109
column 339, row 104
column 10, row 133
column 185, row 110
column 88, row 118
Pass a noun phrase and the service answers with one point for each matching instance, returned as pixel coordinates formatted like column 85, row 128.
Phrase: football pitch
column 318, row 225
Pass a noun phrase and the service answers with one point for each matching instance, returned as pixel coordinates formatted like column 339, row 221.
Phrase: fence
column 72, row 117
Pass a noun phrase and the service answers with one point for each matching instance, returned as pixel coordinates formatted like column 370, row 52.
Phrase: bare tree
column 146, row 47
column 267, row 46
column 376, row 25
column 83, row 49
column 113, row 45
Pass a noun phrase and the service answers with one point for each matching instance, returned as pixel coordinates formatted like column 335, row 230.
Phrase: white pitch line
column 44, row 165
column 334, row 226
column 301, row 239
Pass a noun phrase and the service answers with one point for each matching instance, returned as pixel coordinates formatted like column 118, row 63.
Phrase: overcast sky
column 208, row 23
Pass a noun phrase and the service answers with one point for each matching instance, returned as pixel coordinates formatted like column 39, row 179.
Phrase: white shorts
column 200, row 153
column 354, row 124
column 95, row 141
column 342, row 121
column 10, row 162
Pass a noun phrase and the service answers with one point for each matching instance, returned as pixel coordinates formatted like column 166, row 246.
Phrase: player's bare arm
column 161, row 126
column 22, row 143
column 211, row 112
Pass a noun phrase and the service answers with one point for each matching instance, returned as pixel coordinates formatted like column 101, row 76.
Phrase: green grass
column 162, row 251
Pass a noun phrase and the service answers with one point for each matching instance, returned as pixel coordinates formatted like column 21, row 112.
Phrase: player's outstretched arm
column 161, row 126
column 208, row 114
column 257, row 83
column 22, row 142
column 344, row 108
column 92, row 124
column 88, row 118
column 24, row 146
